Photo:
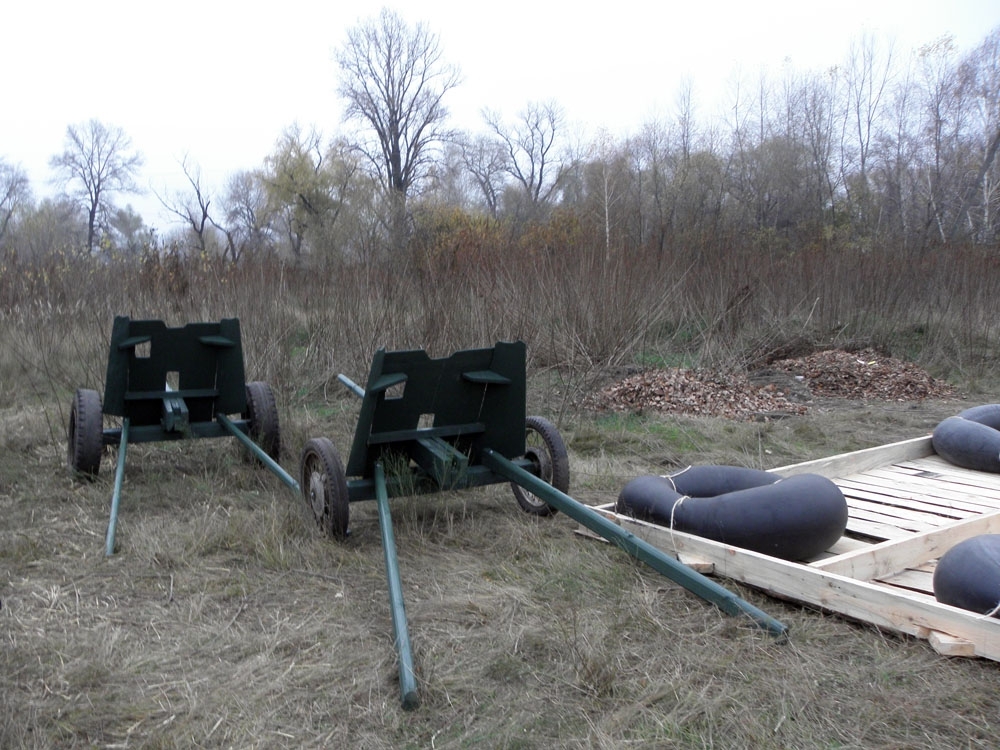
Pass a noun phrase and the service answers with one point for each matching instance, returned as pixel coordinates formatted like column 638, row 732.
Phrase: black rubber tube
column 712, row 480
column 968, row 575
column 971, row 439
column 795, row 518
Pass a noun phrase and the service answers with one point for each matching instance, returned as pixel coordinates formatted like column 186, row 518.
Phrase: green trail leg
column 633, row 545
column 407, row 679
column 257, row 451
column 109, row 541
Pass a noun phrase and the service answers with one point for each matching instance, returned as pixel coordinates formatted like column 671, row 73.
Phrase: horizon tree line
column 884, row 151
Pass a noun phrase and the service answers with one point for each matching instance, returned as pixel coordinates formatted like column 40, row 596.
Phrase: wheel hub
column 541, row 457
column 317, row 497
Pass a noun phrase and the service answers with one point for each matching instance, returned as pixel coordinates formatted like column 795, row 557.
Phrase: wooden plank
column 890, row 502
column 949, row 645
column 870, row 602
column 902, row 512
column 705, row 567
column 934, row 464
column 894, row 507
column 954, row 509
column 912, row 579
column 912, row 494
column 858, row 461
column 902, row 477
column 844, row 545
column 889, row 527
column 879, row 560
column 875, row 530
column 937, row 493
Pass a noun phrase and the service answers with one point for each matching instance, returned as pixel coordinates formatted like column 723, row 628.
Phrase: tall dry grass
column 578, row 312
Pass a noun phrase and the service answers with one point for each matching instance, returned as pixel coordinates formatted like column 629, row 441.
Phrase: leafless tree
column 819, row 133
column 531, row 159
column 609, row 180
column 192, row 208
column 943, row 94
column 247, row 227
column 752, row 135
column 867, row 77
column 98, row 160
column 485, row 161
column 394, row 81
column 981, row 73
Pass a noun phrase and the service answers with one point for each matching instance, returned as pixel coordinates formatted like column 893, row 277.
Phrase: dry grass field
column 226, row 619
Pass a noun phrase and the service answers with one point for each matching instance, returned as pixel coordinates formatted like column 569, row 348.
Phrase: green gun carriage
column 430, row 424
column 169, row 384
column 454, row 423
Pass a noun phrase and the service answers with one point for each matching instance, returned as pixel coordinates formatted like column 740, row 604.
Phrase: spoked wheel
column 545, row 447
column 324, row 486
column 86, row 434
column 262, row 415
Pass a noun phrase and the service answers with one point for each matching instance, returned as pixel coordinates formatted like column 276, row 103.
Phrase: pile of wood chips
column 864, row 375
column 861, row 375
column 694, row 392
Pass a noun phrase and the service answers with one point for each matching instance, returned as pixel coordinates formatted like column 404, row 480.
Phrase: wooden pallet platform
column 907, row 506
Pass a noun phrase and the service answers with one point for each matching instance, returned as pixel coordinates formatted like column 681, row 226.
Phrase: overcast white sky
column 219, row 80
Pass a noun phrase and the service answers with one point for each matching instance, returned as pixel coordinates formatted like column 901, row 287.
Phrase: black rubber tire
column 262, row 415
column 323, row 485
column 85, row 438
column 543, row 445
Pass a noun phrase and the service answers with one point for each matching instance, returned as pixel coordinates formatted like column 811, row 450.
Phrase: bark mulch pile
column 860, row 375
column 864, row 375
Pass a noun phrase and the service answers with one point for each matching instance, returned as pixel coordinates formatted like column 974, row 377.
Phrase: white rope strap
column 991, row 613
column 670, row 478
column 673, row 509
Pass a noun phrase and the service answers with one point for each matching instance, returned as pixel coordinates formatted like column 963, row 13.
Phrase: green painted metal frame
column 205, row 360
column 400, row 628
column 475, row 403
column 437, row 415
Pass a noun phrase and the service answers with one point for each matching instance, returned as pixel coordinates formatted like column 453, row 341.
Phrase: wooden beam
column 844, row 464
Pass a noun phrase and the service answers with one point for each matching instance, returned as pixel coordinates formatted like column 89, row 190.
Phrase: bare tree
column 485, row 161
column 752, row 122
column 98, row 160
column 819, row 120
column 192, row 208
column 943, row 105
column 529, row 144
column 608, row 175
column 981, row 73
column 394, row 81
column 867, row 76
column 247, row 225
